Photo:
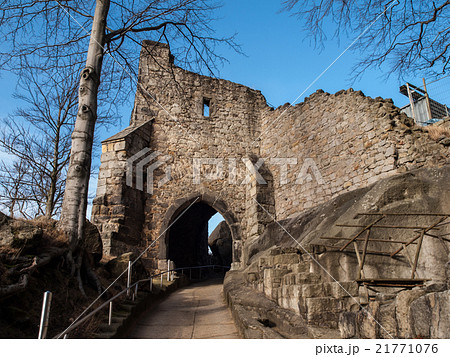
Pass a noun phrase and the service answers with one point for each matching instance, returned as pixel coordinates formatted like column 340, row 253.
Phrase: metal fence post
column 168, row 270
column 129, row 278
column 151, row 284
column 161, row 279
column 172, row 272
column 43, row 326
column 110, row 313
column 136, row 289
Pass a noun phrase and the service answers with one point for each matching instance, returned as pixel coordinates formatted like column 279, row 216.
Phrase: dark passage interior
column 188, row 238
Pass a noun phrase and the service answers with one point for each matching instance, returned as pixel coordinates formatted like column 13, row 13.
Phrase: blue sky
column 279, row 61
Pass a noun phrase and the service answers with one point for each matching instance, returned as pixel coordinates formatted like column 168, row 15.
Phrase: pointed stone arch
column 181, row 205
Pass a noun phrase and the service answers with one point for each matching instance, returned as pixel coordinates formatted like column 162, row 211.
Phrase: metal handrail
column 128, row 288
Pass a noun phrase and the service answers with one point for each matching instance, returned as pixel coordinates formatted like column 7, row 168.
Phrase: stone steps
column 124, row 313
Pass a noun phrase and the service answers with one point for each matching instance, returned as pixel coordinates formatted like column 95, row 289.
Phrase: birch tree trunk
column 73, row 213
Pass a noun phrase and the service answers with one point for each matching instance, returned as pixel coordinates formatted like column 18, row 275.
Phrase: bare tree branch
column 411, row 37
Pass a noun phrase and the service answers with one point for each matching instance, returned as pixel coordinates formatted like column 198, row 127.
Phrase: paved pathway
column 197, row 311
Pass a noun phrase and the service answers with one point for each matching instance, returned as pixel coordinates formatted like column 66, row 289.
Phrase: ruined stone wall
column 183, row 139
column 334, row 143
column 312, row 152
column 118, row 209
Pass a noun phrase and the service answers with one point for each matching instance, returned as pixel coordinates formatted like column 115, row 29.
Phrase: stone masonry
column 195, row 139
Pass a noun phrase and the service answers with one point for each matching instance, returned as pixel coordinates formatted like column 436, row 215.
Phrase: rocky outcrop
column 117, row 267
column 16, row 233
column 422, row 191
column 93, row 242
column 220, row 241
column 299, row 270
column 430, row 315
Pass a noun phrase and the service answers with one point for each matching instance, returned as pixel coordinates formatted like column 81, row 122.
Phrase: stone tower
column 195, row 133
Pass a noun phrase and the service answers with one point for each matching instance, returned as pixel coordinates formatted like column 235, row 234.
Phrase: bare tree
column 14, row 180
column 48, row 29
column 38, row 136
column 411, row 37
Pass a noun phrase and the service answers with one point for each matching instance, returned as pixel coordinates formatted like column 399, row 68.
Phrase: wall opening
column 206, row 107
column 187, row 239
column 220, row 242
column 214, row 222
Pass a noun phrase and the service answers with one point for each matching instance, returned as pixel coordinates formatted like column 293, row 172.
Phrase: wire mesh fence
column 429, row 102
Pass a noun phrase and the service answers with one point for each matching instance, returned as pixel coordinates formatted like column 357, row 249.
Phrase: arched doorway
column 188, row 237
column 184, row 233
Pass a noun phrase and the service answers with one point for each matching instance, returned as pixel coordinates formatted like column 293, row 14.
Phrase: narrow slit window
column 206, row 107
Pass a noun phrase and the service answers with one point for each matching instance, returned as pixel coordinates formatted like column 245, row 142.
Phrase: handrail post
column 136, row 289
column 151, row 284
column 43, row 326
column 110, row 313
column 168, row 269
column 161, row 280
column 129, row 278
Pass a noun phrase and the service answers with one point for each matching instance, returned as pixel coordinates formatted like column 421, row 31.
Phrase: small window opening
column 206, row 104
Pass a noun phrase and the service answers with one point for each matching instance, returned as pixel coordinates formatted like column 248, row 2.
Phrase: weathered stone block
column 289, row 279
column 430, row 316
column 320, row 304
column 104, row 173
column 301, row 268
column 265, row 261
column 367, row 320
column 121, row 145
column 312, row 290
column 307, row 278
column 343, row 289
column 387, row 327
column 347, row 324
column 286, row 259
column 402, row 306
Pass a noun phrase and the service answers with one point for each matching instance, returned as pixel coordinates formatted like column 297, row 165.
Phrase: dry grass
column 51, row 234
column 51, row 237
column 438, row 132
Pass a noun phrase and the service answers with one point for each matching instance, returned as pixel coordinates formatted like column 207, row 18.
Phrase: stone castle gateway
column 198, row 145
